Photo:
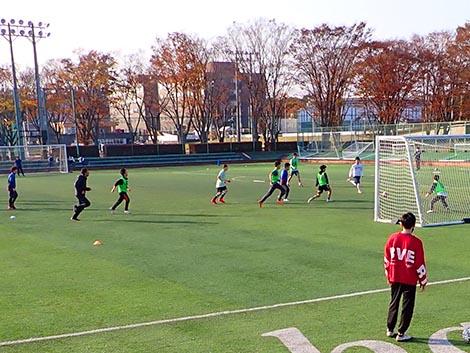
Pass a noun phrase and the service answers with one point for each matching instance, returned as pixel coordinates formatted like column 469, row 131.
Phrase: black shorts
column 357, row 180
column 294, row 172
column 222, row 188
column 323, row 188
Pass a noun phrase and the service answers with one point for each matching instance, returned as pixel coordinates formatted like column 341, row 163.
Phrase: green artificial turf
column 178, row 255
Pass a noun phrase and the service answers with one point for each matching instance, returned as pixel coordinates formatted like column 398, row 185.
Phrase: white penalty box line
column 210, row 315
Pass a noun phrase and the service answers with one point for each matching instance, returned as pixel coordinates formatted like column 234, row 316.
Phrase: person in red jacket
column 404, row 267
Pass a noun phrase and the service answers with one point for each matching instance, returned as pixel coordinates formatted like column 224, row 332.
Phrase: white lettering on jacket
column 400, row 254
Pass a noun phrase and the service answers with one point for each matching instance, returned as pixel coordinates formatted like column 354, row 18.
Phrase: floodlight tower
column 33, row 32
column 7, row 32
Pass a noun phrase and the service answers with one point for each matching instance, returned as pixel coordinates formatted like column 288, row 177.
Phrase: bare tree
column 201, row 89
column 261, row 52
column 128, row 97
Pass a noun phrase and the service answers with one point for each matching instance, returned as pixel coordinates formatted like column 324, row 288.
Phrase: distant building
column 232, row 87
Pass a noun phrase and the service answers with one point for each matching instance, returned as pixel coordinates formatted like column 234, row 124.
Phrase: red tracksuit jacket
column 404, row 260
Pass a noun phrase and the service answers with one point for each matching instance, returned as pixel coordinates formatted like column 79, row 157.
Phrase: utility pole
column 74, row 114
column 237, row 102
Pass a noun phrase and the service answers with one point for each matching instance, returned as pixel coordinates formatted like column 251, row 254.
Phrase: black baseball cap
column 407, row 220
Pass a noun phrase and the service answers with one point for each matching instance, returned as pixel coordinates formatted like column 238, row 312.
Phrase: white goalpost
column 35, row 158
column 407, row 167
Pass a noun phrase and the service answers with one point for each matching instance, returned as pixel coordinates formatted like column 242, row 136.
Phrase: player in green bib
column 441, row 193
column 322, row 185
column 275, row 178
column 122, row 186
column 294, row 168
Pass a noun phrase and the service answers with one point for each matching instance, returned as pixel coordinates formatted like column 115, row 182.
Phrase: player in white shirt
column 355, row 173
column 221, row 185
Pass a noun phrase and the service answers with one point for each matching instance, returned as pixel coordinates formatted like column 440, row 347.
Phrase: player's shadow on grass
column 20, row 208
column 354, row 201
column 154, row 222
column 44, row 202
column 184, row 215
column 440, row 342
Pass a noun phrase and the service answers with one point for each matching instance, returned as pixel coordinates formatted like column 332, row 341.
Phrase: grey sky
column 125, row 26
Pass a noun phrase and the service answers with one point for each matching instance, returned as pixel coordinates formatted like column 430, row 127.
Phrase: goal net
column 320, row 146
column 34, row 158
column 421, row 174
column 357, row 148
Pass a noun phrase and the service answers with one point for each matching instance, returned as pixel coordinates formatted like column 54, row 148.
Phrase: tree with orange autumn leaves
column 323, row 65
column 92, row 78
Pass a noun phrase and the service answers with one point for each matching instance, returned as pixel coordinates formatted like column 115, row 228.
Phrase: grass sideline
column 177, row 255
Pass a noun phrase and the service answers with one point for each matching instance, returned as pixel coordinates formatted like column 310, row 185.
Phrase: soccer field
column 178, row 256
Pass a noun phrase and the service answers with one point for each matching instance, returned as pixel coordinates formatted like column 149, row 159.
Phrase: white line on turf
column 210, row 315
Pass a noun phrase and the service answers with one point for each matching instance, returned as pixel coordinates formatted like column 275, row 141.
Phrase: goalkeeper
column 441, row 194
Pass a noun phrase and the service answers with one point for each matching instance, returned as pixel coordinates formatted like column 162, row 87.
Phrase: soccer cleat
column 328, row 200
column 391, row 333
column 222, row 200
column 214, row 201
column 286, row 200
column 127, row 212
column 429, row 211
column 111, row 210
column 11, row 208
column 260, row 203
column 280, row 202
column 74, row 219
column 403, row 338
column 310, row 199
column 301, row 185
column 359, row 191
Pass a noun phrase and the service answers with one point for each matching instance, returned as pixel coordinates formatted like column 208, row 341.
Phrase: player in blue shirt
column 13, row 195
column 285, row 180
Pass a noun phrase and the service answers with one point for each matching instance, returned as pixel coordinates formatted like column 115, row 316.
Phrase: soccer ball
column 12, row 217
column 384, row 194
column 466, row 334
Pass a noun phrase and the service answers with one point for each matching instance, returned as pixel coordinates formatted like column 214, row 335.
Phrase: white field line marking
column 210, row 315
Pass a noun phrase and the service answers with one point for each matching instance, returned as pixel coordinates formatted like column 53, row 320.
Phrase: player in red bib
column 404, row 267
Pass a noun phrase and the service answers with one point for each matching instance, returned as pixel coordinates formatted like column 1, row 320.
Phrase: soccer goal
column 407, row 167
column 462, row 151
column 357, row 148
column 35, row 158
column 320, row 146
